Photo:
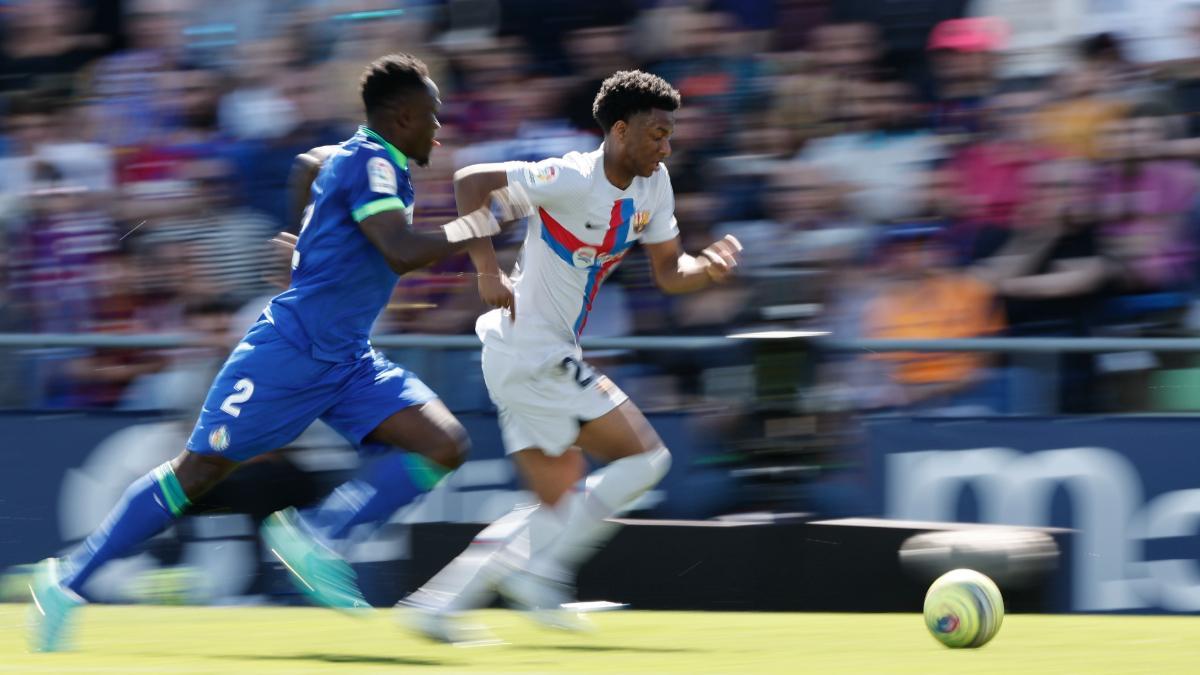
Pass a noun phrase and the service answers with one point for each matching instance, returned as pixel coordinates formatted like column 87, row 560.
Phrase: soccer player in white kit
column 591, row 208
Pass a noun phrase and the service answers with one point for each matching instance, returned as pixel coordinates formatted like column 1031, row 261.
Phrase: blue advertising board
column 1130, row 486
column 62, row 472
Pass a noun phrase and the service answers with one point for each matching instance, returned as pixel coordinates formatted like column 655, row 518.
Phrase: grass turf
column 302, row 640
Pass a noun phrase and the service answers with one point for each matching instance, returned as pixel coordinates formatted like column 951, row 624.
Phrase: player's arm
column 677, row 272
column 305, row 168
column 472, row 186
column 406, row 250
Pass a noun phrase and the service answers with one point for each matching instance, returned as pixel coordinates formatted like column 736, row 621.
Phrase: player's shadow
column 342, row 658
column 609, row 648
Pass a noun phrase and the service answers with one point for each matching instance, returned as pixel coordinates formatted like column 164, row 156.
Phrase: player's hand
column 281, row 275
column 286, row 241
column 722, row 256
column 497, row 291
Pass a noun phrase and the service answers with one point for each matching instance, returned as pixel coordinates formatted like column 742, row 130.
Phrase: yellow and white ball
column 963, row 608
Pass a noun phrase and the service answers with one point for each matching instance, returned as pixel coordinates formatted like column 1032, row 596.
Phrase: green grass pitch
column 146, row 639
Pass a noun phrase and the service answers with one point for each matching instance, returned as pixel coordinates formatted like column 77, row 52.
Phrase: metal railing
column 1022, row 345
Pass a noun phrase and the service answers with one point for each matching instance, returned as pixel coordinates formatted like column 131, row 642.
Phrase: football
column 963, row 608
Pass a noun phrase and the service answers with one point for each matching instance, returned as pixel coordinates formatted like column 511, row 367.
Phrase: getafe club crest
column 219, row 439
column 640, row 220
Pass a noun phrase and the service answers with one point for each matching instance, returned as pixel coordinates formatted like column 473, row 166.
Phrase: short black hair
column 629, row 92
column 390, row 77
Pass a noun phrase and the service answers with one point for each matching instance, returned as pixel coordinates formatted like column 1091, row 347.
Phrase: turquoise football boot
column 317, row 571
column 53, row 605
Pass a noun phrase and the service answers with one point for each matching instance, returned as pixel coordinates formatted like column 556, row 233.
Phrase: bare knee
column 550, row 478
column 198, row 474
column 448, row 448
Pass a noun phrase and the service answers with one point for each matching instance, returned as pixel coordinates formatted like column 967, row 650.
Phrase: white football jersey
column 583, row 227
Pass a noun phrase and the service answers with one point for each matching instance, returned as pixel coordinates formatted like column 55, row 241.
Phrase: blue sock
column 148, row 506
column 383, row 486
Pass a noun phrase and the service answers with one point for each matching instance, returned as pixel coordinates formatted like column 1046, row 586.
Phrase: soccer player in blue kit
column 309, row 357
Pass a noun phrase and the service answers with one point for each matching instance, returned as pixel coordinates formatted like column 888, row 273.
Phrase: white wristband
column 476, row 224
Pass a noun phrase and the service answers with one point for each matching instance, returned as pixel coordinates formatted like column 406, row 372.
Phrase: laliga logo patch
column 544, row 175
column 219, row 439
column 381, row 175
column 640, row 220
column 584, row 257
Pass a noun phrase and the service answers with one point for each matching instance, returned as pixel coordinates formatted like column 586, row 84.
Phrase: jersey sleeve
column 662, row 226
column 375, row 184
column 550, row 182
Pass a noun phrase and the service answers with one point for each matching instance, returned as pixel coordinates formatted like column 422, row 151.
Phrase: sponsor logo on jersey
column 542, row 175
column 219, row 439
column 640, row 220
column 584, row 256
column 381, row 175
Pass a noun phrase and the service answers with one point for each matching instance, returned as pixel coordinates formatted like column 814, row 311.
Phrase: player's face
column 647, row 140
column 425, row 124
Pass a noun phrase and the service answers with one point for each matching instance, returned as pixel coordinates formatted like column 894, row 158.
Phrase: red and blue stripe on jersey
column 616, row 243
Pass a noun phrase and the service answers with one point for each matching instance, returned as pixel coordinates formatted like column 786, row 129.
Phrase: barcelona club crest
column 640, row 220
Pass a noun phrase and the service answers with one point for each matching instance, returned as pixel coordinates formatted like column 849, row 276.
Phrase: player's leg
column 504, row 546
column 637, row 461
column 538, row 423
column 436, row 444
column 379, row 404
column 253, row 406
column 499, row 551
column 148, row 506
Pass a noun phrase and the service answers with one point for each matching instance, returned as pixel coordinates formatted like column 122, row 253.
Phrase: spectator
column 45, row 46
column 1181, row 77
column 926, row 299
column 60, row 252
column 225, row 242
column 708, row 68
column 256, row 108
column 1052, row 270
column 964, row 53
column 882, row 158
column 788, row 256
column 99, row 378
column 126, row 83
column 1146, row 199
column 596, row 53
column 191, row 100
column 1071, row 124
column 808, row 99
column 989, row 175
column 46, row 133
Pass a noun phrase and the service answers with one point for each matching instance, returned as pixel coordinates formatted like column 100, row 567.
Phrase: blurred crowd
column 946, row 172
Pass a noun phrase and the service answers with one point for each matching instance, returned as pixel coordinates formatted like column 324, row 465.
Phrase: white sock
column 463, row 578
column 469, row 581
column 611, row 489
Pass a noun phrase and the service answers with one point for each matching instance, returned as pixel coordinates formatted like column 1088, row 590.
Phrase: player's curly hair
column 389, row 78
column 628, row 92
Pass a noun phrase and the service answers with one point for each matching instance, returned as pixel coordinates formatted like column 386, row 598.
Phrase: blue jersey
column 340, row 281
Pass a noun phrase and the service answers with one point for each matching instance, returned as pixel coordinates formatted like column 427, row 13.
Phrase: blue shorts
column 268, row 392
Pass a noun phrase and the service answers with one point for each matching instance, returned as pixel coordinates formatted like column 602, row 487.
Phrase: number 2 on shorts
column 243, row 390
column 580, row 371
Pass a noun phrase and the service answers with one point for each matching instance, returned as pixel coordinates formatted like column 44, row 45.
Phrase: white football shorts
column 542, row 401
